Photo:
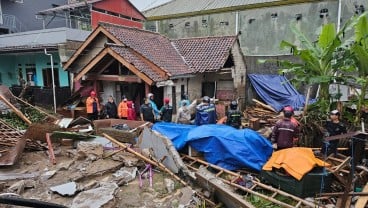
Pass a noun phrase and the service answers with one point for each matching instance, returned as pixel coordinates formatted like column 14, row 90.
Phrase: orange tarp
column 296, row 161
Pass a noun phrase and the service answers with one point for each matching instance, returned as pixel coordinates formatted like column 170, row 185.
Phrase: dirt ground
column 88, row 174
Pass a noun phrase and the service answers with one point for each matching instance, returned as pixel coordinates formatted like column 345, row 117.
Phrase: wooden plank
column 362, row 200
column 114, row 78
column 264, row 105
column 18, row 112
column 222, row 192
column 91, row 64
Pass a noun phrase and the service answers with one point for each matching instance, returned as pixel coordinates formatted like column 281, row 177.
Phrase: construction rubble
column 65, row 162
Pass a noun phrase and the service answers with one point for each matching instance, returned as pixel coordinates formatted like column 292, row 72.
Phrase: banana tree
column 317, row 58
column 359, row 54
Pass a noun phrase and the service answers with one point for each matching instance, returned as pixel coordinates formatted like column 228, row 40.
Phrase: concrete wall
column 261, row 31
column 11, row 64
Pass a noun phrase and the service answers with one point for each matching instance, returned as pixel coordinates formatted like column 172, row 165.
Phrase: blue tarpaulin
column 276, row 91
column 221, row 145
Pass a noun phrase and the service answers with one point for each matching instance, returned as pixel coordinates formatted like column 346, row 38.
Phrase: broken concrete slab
column 96, row 168
column 66, row 189
column 125, row 175
column 17, row 176
column 127, row 158
column 90, row 150
column 161, row 148
column 170, row 185
column 187, row 196
column 95, row 198
column 48, row 174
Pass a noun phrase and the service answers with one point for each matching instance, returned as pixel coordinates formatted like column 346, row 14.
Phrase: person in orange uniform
column 92, row 106
column 123, row 109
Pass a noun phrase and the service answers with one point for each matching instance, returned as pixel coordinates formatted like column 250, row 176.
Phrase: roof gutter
column 230, row 9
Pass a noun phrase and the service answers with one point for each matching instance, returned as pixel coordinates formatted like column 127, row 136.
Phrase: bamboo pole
column 155, row 163
column 18, row 112
column 35, row 107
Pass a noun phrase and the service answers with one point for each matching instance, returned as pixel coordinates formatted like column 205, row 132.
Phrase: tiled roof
column 127, row 54
column 155, row 47
column 205, row 54
column 188, row 6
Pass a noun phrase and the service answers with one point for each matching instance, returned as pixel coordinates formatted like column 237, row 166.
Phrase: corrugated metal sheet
column 42, row 37
column 187, row 6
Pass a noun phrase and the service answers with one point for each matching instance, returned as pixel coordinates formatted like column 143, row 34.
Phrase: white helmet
column 149, row 95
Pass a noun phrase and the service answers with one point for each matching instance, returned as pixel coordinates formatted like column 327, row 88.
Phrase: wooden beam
column 90, row 38
column 106, row 65
column 114, row 78
column 131, row 67
column 362, row 200
column 91, row 64
column 16, row 111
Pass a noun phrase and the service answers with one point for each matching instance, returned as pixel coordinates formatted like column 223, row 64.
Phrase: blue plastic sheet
column 221, row 145
column 276, row 91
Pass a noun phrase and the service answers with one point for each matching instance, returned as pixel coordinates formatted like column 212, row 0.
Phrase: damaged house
column 123, row 61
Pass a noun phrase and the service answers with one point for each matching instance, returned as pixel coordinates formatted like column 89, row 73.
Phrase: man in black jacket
column 111, row 109
column 333, row 127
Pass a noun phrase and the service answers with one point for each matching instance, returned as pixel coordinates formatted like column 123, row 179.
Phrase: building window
column 187, row 24
column 171, row 26
column 204, row 23
column 274, row 15
column 47, row 77
column 31, row 74
column 224, row 23
column 323, row 13
column 152, row 28
column 359, row 9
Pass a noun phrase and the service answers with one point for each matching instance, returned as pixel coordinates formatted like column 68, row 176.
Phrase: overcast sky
column 146, row 4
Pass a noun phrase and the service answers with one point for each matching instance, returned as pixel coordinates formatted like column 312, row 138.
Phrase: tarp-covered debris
column 296, row 161
column 277, row 91
column 221, row 145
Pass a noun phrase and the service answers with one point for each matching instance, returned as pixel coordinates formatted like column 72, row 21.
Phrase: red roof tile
column 205, row 54
column 128, row 55
column 155, row 47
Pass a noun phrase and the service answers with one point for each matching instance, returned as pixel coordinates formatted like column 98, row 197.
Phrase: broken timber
column 14, row 141
column 152, row 162
column 16, row 111
column 194, row 163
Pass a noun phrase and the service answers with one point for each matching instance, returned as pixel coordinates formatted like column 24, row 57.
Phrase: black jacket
column 111, row 110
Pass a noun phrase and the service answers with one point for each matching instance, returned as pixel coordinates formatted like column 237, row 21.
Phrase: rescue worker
column 150, row 97
column 123, row 108
column 146, row 111
column 333, row 127
column 285, row 132
column 205, row 112
column 92, row 106
column 166, row 111
column 111, row 109
column 233, row 115
column 185, row 112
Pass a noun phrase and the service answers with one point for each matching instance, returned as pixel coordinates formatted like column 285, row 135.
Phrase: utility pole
column 53, row 78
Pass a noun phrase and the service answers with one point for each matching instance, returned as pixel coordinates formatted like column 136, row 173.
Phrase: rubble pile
column 77, row 163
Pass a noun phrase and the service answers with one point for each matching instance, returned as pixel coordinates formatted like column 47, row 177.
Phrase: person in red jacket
column 131, row 111
column 285, row 132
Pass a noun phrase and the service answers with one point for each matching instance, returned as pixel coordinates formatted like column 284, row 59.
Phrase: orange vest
column 123, row 109
column 89, row 104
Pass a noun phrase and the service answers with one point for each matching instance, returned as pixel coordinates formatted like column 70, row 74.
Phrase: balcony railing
column 12, row 23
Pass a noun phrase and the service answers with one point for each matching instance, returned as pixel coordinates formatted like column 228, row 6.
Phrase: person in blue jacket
column 205, row 112
column 150, row 98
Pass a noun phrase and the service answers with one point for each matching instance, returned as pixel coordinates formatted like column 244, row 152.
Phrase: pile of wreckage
column 65, row 162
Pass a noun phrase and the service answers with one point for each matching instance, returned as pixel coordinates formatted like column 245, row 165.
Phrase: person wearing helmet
column 166, row 111
column 205, row 112
column 92, row 106
column 333, row 127
column 150, row 98
column 184, row 113
column 233, row 115
column 285, row 132
column 146, row 111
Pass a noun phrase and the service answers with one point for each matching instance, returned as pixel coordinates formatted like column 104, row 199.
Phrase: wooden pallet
column 256, row 189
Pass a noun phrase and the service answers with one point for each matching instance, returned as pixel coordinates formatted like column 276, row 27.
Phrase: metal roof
column 44, row 37
column 177, row 7
column 67, row 7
